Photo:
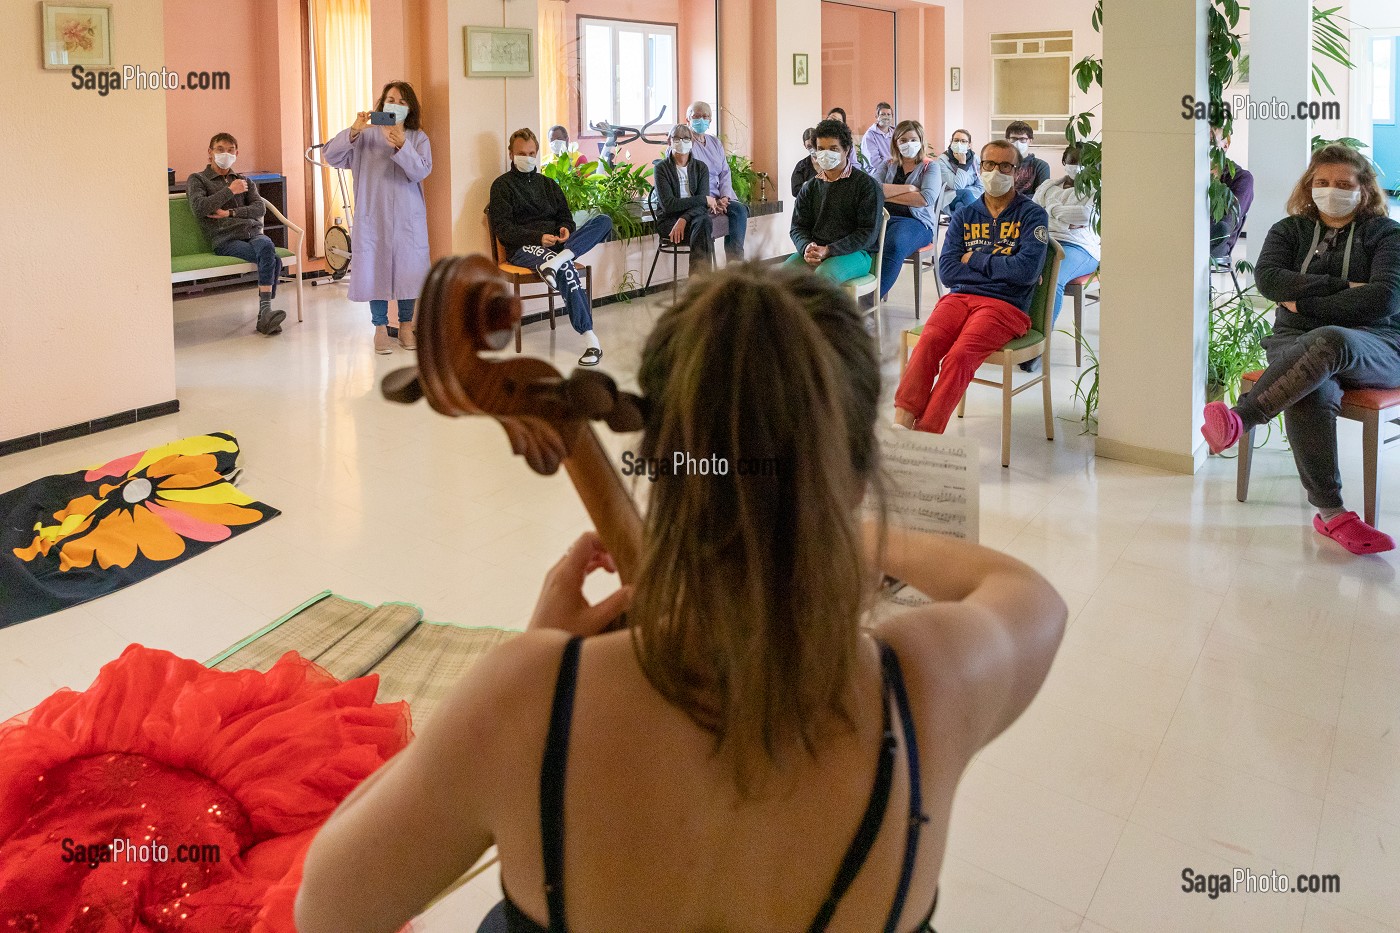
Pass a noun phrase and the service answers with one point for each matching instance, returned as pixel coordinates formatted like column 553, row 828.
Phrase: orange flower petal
column 218, row 513
column 112, row 542
column 155, row 538
column 183, row 463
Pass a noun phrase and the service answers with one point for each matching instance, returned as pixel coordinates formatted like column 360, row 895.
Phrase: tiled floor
column 1228, row 693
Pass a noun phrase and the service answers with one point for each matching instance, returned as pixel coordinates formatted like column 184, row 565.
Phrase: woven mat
column 416, row 660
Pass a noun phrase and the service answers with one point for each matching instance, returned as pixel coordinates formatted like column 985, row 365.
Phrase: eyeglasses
column 1006, row 168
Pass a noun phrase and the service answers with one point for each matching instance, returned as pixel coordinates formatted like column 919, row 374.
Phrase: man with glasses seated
column 1032, row 171
column 991, row 261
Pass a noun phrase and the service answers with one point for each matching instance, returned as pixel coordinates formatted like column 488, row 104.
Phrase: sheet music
column 931, row 482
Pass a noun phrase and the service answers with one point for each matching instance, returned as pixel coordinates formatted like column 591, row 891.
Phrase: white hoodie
column 1071, row 217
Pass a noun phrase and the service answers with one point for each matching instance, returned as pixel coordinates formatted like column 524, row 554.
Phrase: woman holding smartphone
column 389, row 162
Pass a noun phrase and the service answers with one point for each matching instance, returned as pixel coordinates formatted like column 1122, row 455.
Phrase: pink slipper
column 1352, row 533
column 1223, row 427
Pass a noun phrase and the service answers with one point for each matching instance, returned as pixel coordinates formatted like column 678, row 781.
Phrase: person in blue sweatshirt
column 991, row 261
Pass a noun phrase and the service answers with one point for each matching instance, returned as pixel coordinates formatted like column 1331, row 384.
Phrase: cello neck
column 609, row 505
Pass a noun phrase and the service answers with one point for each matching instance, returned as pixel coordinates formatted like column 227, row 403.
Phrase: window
column 627, row 71
column 1031, row 80
column 1383, row 80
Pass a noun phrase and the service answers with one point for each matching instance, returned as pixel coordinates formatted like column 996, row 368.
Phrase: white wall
column 85, row 321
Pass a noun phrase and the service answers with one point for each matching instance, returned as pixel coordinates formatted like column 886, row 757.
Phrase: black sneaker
column 270, row 324
column 1032, row 366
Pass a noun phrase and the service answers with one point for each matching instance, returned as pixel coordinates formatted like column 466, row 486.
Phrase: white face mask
column 225, row 160
column 910, row 149
column 1071, row 170
column 996, row 183
column 1336, row 202
column 524, row 163
column 400, row 112
column 558, row 146
column 681, row 146
column 884, row 119
column 1022, row 146
column 827, row 159
column 959, row 149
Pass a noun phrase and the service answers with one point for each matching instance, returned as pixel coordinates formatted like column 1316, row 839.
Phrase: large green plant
column 742, row 176
column 613, row 190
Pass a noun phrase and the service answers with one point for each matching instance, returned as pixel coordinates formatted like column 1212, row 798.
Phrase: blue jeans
column 260, row 250
column 904, row 236
column 963, row 198
column 1078, row 261
column 567, row 278
column 379, row 311
column 738, row 214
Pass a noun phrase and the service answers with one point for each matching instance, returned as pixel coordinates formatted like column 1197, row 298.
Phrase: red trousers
column 962, row 331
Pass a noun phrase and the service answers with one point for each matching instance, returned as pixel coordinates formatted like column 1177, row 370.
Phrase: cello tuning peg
column 591, row 394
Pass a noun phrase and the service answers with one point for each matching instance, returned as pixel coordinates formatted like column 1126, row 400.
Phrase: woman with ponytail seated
column 744, row 755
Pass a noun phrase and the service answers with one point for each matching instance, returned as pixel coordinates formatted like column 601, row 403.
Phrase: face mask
column 827, row 159
column 996, row 183
column 884, row 120
column 524, row 163
column 910, row 149
column 681, row 147
column 700, row 125
column 558, row 146
column 399, row 111
column 1022, row 146
column 1334, row 202
column 225, row 160
column 959, row 149
column 810, row 151
column 1071, row 170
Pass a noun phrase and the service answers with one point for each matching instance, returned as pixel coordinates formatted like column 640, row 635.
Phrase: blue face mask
column 400, row 112
column 700, row 126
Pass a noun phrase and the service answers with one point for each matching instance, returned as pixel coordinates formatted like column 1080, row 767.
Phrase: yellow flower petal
column 219, row 492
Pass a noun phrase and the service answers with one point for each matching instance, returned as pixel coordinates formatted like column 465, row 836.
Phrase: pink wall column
column 858, row 61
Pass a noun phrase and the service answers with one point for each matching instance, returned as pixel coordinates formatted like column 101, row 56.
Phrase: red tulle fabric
column 163, row 751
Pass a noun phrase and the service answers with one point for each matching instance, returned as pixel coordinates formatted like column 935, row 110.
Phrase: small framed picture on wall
column 77, row 34
column 799, row 68
column 955, row 79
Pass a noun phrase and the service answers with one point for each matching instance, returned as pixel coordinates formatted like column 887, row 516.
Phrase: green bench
column 192, row 259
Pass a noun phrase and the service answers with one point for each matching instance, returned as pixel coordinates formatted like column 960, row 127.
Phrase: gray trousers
column 1307, row 373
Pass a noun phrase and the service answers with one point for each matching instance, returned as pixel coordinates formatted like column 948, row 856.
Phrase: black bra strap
column 889, row 662
column 556, row 760
column 870, row 823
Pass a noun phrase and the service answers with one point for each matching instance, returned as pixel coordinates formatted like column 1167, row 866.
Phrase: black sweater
column 670, row 204
column 843, row 214
column 1321, row 295
column 804, row 172
column 524, row 207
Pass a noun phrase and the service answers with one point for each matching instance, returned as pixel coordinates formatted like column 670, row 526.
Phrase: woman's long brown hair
column 752, row 584
column 1373, row 204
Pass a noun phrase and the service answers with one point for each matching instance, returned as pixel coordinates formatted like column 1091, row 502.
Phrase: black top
column 802, row 173
column 1322, row 295
column 843, row 214
column 208, row 192
column 524, row 207
column 901, row 177
column 1031, row 174
column 556, row 757
column 666, row 175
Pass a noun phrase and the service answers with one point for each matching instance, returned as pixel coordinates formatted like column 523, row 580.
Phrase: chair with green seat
column 192, row 258
column 1035, row 343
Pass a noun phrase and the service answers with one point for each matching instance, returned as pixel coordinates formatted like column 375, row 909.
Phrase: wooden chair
column 1371, row 407
column 931, row 252
column 520, row 275
column 1035, row 343
column 1075, row 289
column 870, row 281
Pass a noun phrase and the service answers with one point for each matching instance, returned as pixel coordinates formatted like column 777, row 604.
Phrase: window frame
column 612, row 22
column 1392, row 42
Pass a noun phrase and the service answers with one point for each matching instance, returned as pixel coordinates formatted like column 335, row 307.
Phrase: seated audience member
column 1333, row 266
column 875, row 146
column 913, row 184
column 740, row 722
column 230, row 212
column 1072, row 225
column 1033, row 170
column 991, row 261
column 806, row 169
column 962, row 171
column 1225, row 232
column 681, row 185
column 836, row 113
column 533, row 222
column 836, row 219
column 559, row 144
column 710, row 150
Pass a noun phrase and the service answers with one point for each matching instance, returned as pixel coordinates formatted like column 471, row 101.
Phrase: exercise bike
column 615, row 136
column 337, row 236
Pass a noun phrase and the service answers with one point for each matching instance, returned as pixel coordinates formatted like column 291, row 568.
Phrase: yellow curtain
column 553, row 66
column 341, row 34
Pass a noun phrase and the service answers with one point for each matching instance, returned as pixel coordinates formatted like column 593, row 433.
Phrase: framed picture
column 77, row 34
column 955, row 79
column 494, row 52
column 799, row 68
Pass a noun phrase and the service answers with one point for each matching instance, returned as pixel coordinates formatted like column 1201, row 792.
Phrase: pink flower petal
column 118, row 467
column 187, row 526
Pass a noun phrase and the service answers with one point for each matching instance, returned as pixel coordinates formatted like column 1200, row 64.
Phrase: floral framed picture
column 799, row 68
column 77, row 34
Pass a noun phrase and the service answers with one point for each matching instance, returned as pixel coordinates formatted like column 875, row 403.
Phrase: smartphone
column 381, row 118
